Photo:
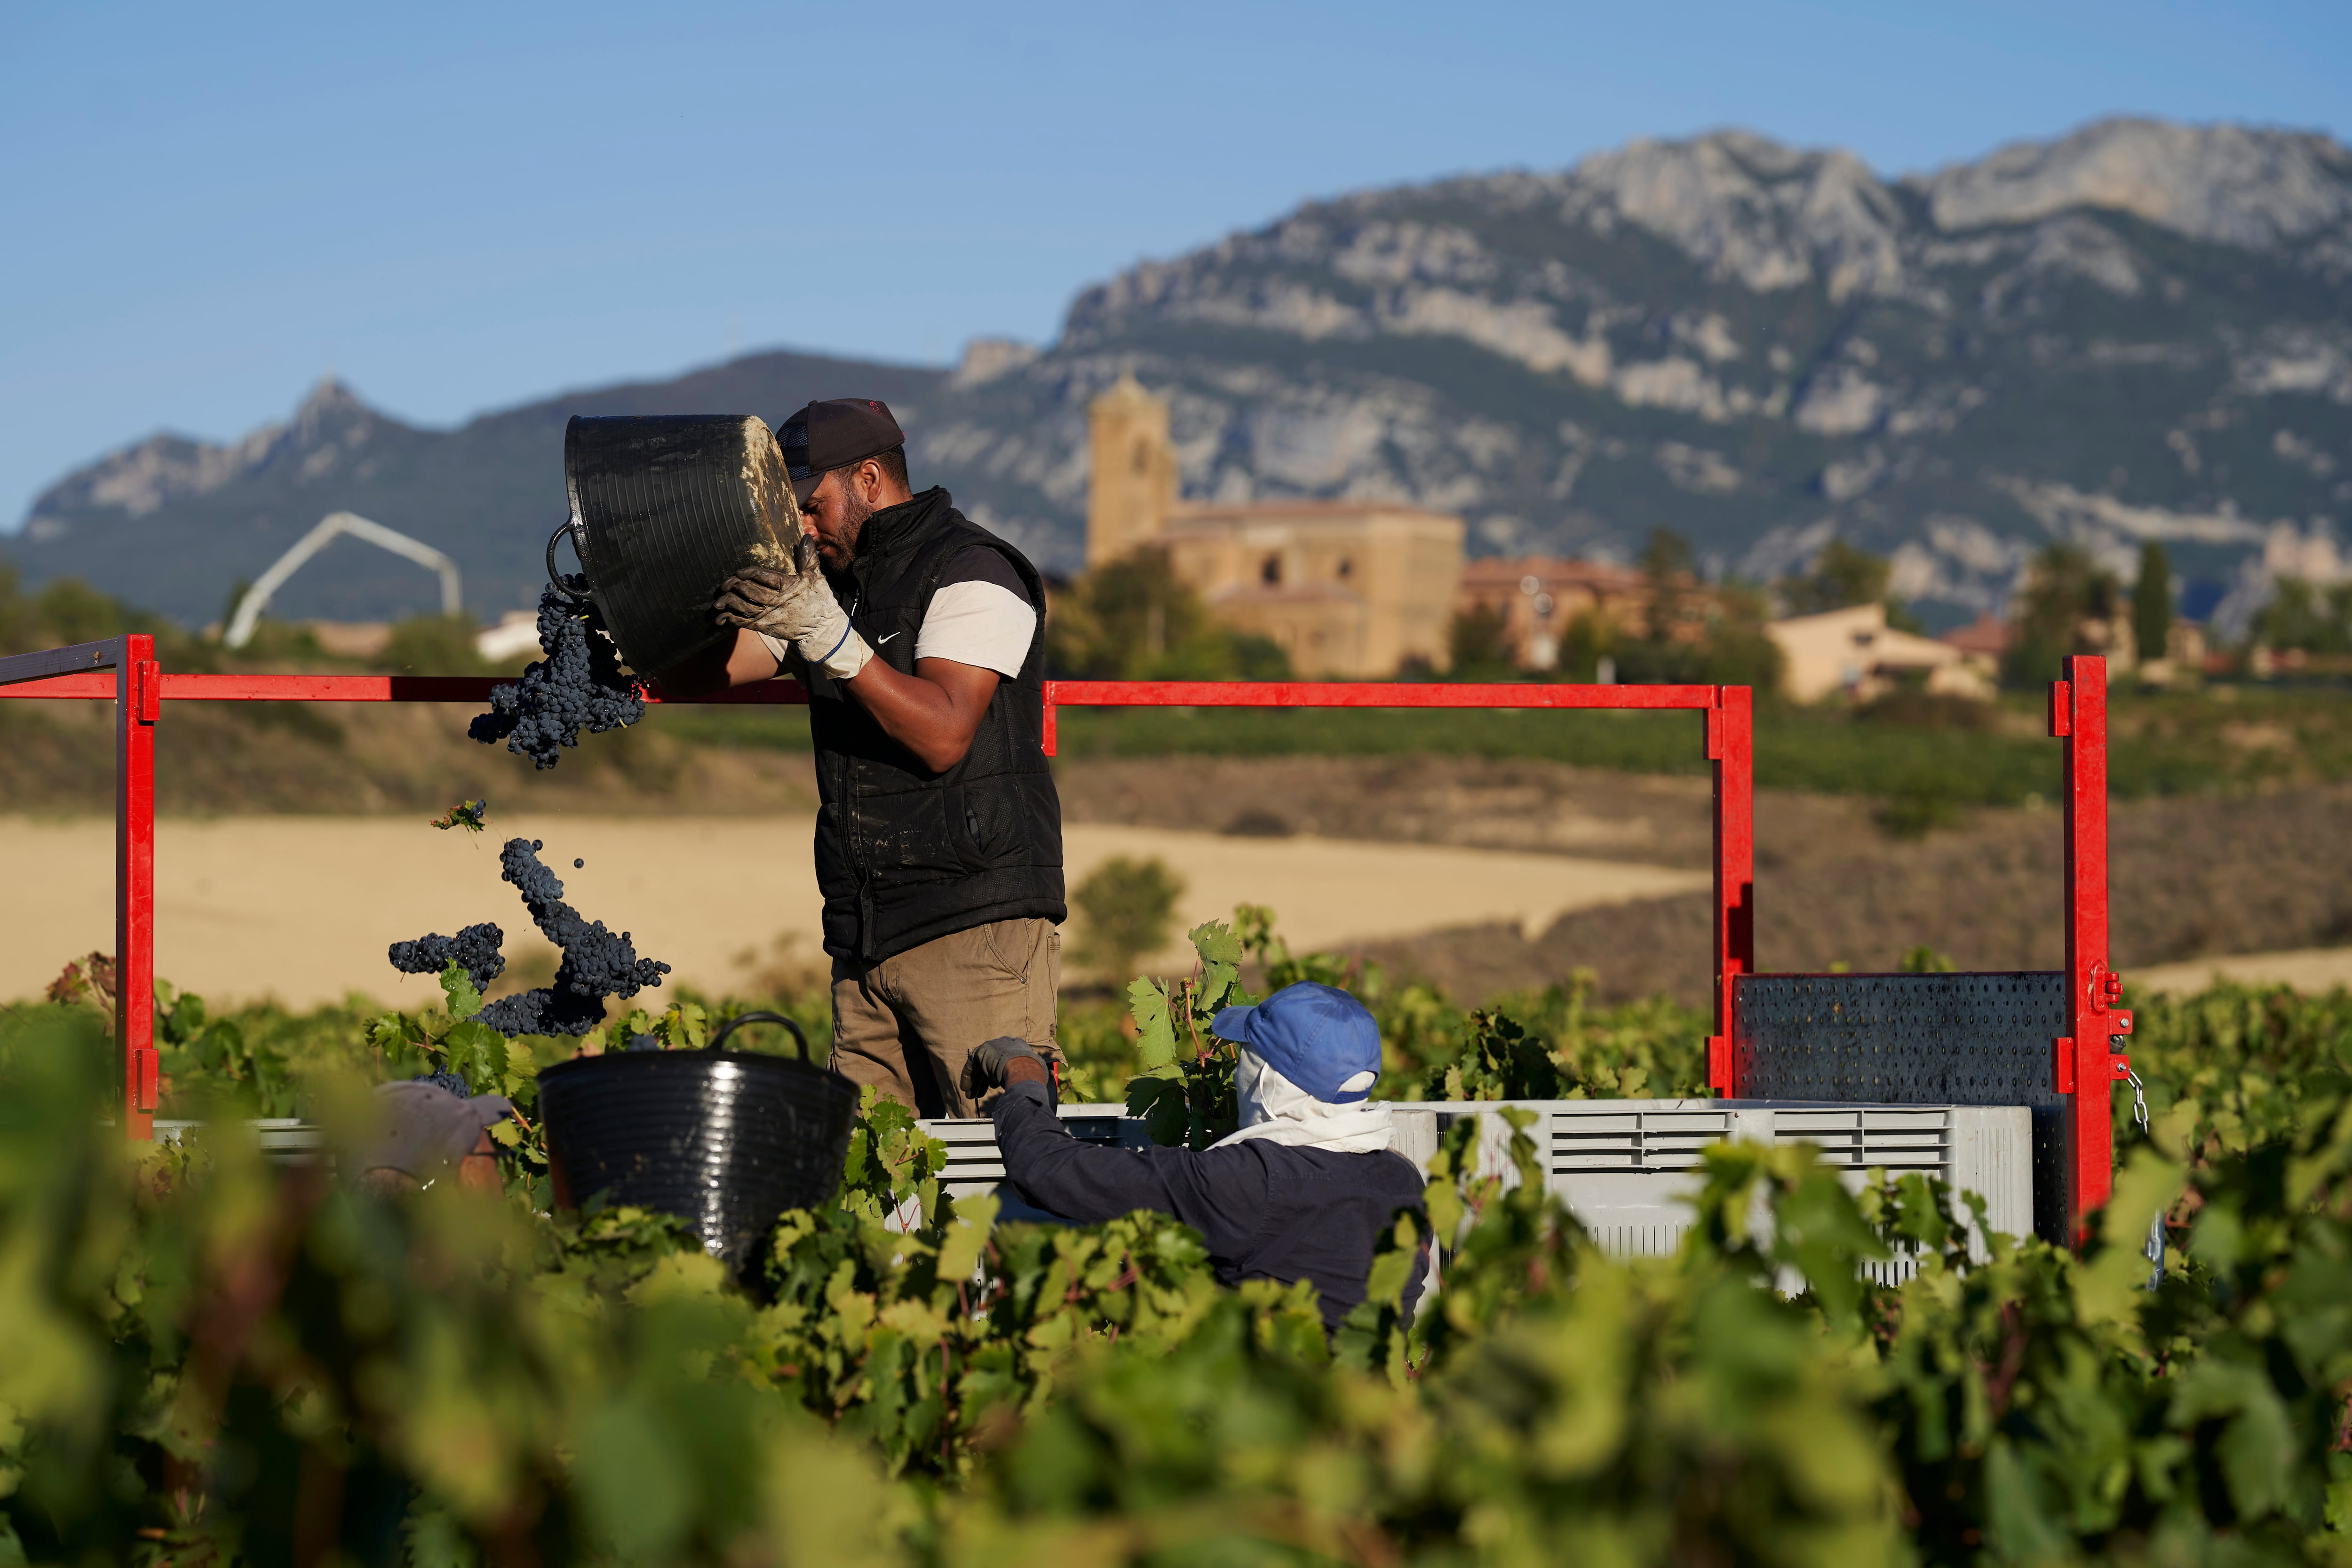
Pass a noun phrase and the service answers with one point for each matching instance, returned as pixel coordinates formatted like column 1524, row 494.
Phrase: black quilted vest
column 903, row 855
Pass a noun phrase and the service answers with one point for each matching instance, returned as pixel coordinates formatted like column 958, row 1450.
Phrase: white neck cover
column 1276, row 1109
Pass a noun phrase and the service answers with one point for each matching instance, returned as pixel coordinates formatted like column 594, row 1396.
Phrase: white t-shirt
column 980, row 615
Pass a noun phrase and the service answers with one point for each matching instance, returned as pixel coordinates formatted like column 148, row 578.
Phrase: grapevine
column 202, row 1338
column 579, row 686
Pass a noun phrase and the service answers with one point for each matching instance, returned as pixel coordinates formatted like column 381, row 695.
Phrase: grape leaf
column 465, row 1001
column 683, row 1028
column 478, row 1053
column 1216, row 943
column 1159, row 1099
column 1155, row 1044
column 1220, row 988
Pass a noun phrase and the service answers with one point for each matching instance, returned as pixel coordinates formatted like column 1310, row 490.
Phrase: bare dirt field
column 1448, row 868
column 2191, row 880
column 303, row 908
column 2308, row 969
column 2194, row 879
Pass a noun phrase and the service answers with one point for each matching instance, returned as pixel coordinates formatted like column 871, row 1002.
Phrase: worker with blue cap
column 1303, row 1191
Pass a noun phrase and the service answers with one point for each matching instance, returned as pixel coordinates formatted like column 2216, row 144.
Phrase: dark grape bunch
column 579, row 686
column 476, row 949
column 596, row 964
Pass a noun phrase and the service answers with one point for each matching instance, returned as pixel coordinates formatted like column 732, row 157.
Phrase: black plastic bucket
column 664, row 507
column 725, row 1140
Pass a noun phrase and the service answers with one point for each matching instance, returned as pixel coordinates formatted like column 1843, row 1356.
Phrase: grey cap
column 422, row 1127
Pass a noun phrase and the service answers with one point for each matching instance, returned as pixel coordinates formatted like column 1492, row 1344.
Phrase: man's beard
column 853, row 513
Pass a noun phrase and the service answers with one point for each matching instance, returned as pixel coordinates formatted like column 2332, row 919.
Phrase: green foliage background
column 211, row 1359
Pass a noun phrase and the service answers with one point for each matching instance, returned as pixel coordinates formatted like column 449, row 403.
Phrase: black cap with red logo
column 834, row 434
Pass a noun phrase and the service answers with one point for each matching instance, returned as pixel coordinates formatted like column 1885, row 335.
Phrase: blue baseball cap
column 1317, row 1036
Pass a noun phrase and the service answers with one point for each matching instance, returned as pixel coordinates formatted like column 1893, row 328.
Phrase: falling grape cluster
column 475, row 949
column 579, row 686
column 596, row 962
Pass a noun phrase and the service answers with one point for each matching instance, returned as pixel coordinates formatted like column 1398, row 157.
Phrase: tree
column 2064, row 589
column 1479, row 641
column 1668, row 564
column 2301, row 614
column 2152, row 602
column 1843, row 575
column 1127, row 910
column 1134, row 620
column 1728, row 645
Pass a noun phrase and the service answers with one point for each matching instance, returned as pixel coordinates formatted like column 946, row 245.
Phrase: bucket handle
column 554, row 578
column 718, row 1036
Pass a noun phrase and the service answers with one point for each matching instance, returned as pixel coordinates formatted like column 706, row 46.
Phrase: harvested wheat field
column 303, row 908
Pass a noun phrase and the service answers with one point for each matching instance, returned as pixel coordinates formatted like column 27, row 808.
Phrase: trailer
column 2049, row 1040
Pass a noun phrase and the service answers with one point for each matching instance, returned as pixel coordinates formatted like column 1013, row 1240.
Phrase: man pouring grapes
column 939, row 834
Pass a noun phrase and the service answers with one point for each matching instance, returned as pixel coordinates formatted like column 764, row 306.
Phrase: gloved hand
column 1002, row 1062
column 796, row 606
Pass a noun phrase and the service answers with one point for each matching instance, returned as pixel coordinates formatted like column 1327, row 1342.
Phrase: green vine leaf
column 1216, row 943
column 465, row 1001
column 1155, row 1044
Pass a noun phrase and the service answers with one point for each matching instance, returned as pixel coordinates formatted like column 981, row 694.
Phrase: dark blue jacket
column 1268, row 1211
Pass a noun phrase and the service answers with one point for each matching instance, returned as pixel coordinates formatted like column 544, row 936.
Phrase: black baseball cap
column 834, row 434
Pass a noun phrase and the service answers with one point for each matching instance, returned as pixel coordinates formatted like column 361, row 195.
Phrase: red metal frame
column 125, row 670
column 2087, row 1064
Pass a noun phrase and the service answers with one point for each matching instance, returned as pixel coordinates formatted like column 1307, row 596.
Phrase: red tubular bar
column 1372, row 694
column 362, row 689
column 1731, row 745
column 138, row 704
column 2087, row 1064
column 138, row 687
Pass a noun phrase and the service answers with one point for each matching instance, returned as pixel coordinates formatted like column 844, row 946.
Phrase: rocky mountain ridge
column 174, row 524
column 2142, row 329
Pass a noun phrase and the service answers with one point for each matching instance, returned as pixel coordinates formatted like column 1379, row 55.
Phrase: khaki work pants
column 906, row 1024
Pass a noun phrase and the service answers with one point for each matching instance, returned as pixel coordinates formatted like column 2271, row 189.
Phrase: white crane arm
column 329, row 528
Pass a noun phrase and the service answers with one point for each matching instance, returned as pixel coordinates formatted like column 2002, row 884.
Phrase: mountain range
column 2139, row 331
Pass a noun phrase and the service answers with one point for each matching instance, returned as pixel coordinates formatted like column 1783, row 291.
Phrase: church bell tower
column 1132, row 487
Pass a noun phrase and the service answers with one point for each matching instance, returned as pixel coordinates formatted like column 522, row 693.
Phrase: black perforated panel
column 1914, row 1040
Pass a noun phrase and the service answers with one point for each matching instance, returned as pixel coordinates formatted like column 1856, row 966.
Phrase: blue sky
column 460, row 207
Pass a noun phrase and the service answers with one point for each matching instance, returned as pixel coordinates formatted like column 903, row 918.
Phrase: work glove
column 794, row 605
column 1003, row 1061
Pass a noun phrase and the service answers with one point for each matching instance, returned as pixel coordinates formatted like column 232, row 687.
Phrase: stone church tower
column 1133, row 488
column 1344, row 588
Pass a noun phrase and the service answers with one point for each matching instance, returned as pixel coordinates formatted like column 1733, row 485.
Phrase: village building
column 1347, row 588
column 1536, row 598
column 1856, row 651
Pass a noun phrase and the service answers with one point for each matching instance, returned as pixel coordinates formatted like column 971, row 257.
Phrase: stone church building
column 1347, row 588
